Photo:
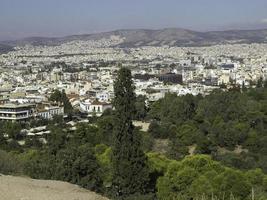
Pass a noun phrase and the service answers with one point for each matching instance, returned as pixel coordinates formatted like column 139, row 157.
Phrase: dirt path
column 20, row 188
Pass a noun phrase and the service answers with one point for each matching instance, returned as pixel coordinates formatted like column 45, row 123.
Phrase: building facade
column 16, row 112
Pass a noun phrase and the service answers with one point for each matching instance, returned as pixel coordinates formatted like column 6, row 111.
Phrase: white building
column 16, row 112
column 94, row 108
column 103, row 96
column 49, row 111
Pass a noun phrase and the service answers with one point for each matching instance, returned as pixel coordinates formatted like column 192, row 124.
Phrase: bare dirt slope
column 20, row 188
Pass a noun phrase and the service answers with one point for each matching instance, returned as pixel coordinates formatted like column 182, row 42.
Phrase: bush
column 9, row 164
column 199, row 175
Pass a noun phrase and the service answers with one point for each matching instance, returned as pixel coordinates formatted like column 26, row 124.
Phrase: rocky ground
column 20, row 188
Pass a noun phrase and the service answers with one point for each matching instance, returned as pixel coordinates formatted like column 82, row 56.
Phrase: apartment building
column 16, row 112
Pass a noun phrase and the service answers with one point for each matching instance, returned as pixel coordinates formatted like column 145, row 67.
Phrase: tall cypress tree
column 129, row 161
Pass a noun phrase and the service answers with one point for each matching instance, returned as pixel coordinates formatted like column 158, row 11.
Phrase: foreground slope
column 19, row 188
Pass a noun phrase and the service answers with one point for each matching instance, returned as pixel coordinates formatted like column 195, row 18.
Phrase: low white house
column 94, row 108
column 49, row 111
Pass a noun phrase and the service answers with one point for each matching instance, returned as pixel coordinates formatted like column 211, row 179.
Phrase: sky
column 52, row 18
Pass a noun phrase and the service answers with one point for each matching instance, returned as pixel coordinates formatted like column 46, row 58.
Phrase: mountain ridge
column 156, row 37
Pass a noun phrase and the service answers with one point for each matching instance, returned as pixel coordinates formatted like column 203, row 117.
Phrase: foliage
column 199, row 176
column 12, row 129
column 141, row 108
column 103, row 156
column 61, row 97
column 231, row 126
column 129, row 162
column 9, row 164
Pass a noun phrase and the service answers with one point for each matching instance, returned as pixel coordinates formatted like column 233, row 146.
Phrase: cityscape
column 86, row 70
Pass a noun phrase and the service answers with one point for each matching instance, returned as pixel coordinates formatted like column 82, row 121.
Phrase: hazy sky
column 23, row 18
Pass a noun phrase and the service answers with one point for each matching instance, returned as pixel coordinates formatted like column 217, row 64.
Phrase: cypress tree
column 67, row 105
column 129, row 161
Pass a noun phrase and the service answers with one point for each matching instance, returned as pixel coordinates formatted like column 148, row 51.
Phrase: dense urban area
column 145, row 122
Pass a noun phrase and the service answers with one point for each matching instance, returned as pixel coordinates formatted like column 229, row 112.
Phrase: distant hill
column 5, row 48
column 168, row 36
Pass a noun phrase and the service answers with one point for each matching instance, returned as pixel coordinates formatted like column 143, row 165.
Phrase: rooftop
column 12, row 105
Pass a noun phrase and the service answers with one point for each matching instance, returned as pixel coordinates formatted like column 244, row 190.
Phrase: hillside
column 18, row 188
column 168, row 36
column 5, row 48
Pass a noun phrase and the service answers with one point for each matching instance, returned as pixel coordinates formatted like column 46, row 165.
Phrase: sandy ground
column 20, row 188
column 144, row 125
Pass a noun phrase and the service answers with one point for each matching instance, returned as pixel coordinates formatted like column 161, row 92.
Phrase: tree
column 106, row 126
column 86, row 134
column 56, row 140
column 201, row 187
column 129, row 162
column 85, row 169
column 103, row 155
column 3, row 140
column 177, row 186
column 232, row 183
column 55, row 96
column 141, row 108
column 9, row 164
column 67, row 105
column 199, row 177
column 260, row 82
column 255, row 176
column 12, row 129
column 61, row 97
column 265, row 84
column 156, row 130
